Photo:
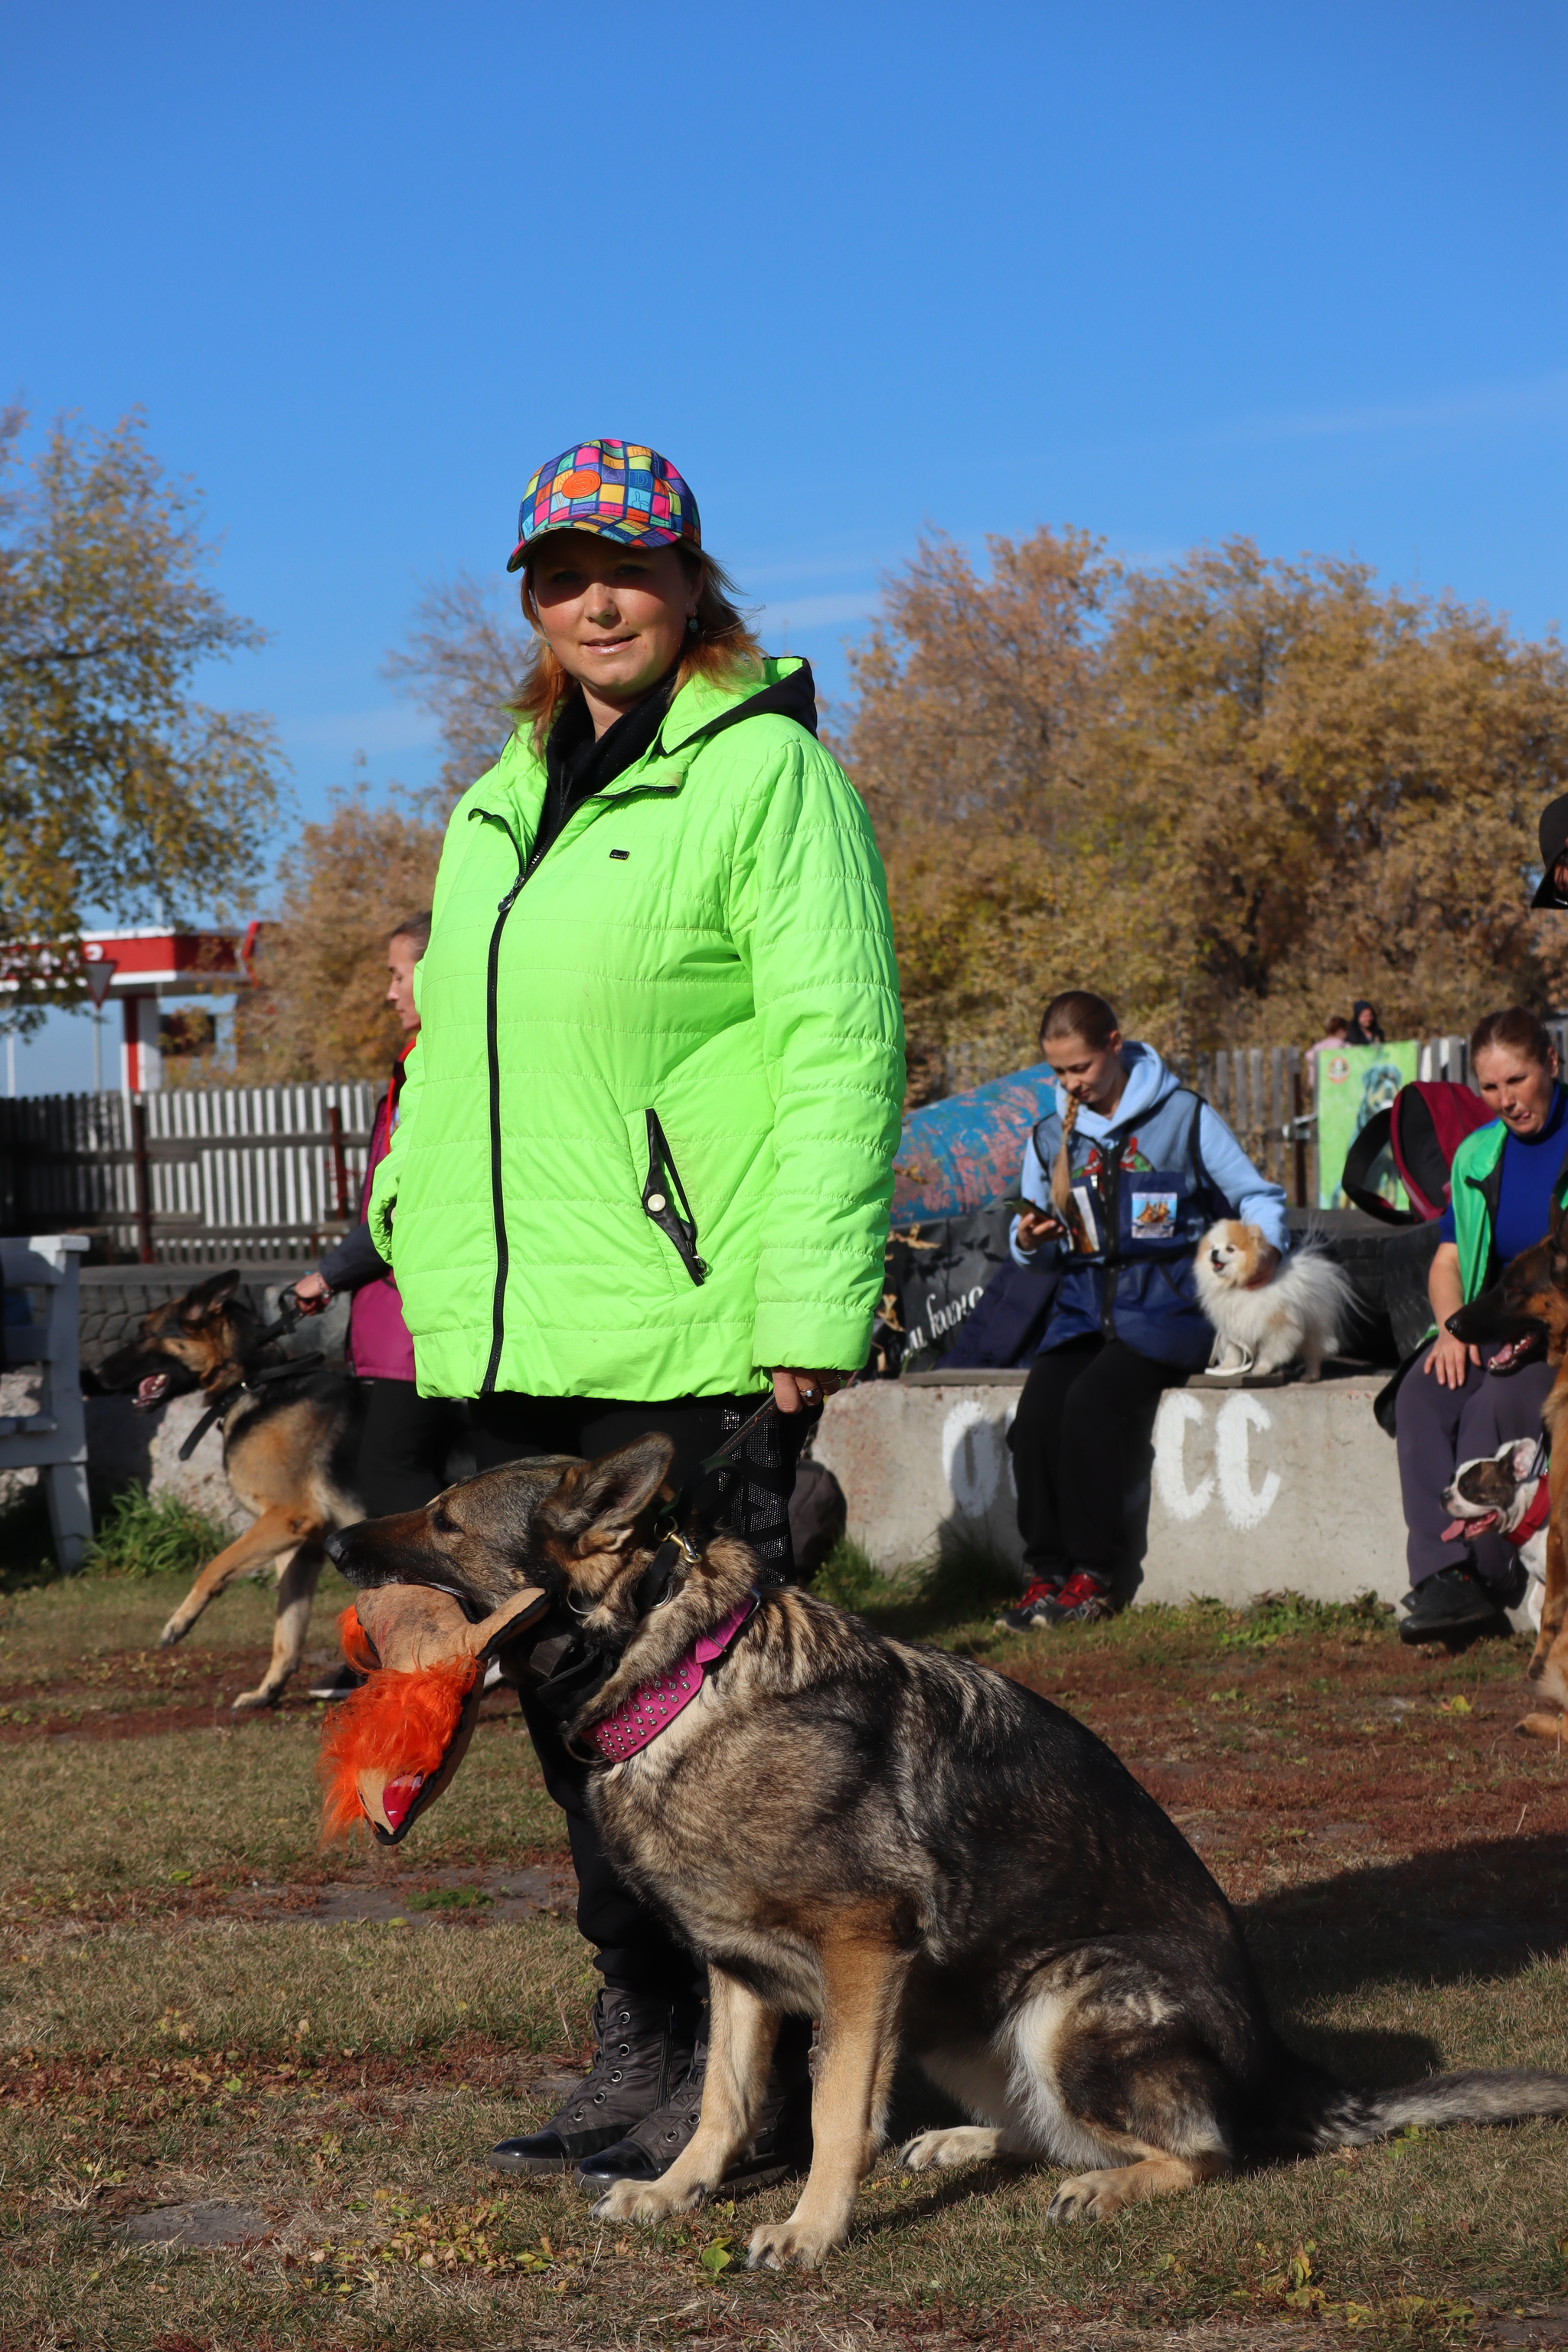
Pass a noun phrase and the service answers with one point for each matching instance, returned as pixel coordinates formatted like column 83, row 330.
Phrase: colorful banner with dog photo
column 1354, row 1083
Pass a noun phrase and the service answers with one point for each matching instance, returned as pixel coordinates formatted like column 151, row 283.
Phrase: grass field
column 200, row 2009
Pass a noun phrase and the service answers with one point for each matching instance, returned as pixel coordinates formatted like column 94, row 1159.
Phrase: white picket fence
column 191, row 1176
column 197, row 1175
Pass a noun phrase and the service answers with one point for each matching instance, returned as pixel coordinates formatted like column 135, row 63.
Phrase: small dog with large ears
column 1263, row 1321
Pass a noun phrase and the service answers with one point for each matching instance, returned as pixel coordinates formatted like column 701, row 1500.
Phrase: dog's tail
column 1318, row 2113
column 1326, row 1290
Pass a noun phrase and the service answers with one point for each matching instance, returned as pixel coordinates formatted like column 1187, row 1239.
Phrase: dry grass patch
column 337, row 2085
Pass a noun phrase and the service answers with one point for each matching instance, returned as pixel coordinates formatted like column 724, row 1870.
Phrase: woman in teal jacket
column 645, row 1160
column 1505, row 1182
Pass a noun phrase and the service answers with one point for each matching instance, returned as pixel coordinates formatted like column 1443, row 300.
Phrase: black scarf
column 577, row 763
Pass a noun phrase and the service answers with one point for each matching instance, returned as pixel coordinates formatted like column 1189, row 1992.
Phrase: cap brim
column 655, row 535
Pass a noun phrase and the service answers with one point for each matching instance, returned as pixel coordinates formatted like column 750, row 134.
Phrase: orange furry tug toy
column 391, row 1747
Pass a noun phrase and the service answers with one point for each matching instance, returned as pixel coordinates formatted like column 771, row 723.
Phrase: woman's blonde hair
column 722, row 642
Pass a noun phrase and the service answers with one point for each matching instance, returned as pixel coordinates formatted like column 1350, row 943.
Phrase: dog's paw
column 250, row 1701
column 787, row 2245
column 1541, row 1725
column 174, row 1631
column 646, row 2201
column 1093, row 2197
column 964, row 2144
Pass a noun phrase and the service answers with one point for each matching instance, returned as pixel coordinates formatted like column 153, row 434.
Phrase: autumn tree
column 971, row 698
column 462, row 661
column 121, row 794
column 316, row 1010
column 1233, row 795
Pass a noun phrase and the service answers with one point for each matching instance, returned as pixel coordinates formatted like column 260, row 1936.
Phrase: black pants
column 402, row 1448
column 1085, row 1408
column 635, row 1951
column 1438, row 1428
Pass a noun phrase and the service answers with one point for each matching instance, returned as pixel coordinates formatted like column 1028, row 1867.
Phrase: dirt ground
column 247, row 2089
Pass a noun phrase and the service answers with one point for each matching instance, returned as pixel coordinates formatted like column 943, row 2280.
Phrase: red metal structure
column 143, row 967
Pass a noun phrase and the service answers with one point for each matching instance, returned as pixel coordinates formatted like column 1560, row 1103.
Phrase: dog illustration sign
column 1354, row 1083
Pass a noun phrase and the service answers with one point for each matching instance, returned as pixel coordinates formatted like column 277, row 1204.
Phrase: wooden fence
column 198, row 1175
column 1264, row 1094
column 195, row 1176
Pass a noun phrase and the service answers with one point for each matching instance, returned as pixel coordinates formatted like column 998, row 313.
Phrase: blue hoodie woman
column 1128, row 1173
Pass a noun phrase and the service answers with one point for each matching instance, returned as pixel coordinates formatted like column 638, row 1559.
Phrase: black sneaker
column 1453, row 1601
column 1025, row 1616
column 1083, row 1600
column 339, row 1684
column 644, row 2047
column 782, row 2144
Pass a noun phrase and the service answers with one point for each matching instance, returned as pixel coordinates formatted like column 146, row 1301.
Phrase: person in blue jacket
column 1145, row 1168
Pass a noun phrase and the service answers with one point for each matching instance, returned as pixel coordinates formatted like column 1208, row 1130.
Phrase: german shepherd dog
column 916, row 1851
column 1525, row 1311
column 288, row 1449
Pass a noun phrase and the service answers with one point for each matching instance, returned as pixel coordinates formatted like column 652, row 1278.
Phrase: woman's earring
column 692, row 625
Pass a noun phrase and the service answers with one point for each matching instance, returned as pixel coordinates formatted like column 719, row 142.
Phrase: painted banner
column 1354, row 1083
column 962, row 1154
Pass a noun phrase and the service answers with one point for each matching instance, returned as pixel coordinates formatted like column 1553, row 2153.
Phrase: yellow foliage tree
column 318, row 1009
column 1232, row 795
column 120, row 792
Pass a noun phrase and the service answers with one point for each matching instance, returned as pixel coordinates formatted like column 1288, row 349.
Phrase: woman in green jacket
column 1506, row 1180
column 645, row 1160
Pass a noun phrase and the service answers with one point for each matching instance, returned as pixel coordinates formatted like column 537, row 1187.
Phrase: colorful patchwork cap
column 618, row 489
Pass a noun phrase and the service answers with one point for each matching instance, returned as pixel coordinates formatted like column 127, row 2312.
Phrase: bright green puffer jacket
column 648, row 1129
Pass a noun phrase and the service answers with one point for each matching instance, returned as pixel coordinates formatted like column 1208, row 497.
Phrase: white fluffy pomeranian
column 1304, row 1310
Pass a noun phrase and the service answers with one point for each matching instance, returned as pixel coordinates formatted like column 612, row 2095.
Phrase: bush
column 139, row 1536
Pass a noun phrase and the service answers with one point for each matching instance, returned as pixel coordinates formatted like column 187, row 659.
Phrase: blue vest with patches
column 1152, row 1201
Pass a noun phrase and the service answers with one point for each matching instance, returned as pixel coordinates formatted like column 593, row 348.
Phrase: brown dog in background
column 1526, row 1310
column 288, row 1451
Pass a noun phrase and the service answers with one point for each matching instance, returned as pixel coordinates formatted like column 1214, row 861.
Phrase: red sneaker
column 1083, row 1600
column 1033, row 1609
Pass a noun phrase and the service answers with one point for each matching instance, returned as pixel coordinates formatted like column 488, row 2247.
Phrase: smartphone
column 1017, row 1203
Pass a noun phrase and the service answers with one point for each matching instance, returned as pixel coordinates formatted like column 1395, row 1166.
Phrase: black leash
column 289, row 1313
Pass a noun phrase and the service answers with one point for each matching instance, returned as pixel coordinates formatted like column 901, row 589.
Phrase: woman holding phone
column 1123, row 1179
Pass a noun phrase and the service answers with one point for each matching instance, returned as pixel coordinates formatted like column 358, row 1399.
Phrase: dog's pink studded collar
column 654, row 1707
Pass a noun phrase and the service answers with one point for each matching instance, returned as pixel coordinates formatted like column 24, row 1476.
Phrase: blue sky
column 1164, row 272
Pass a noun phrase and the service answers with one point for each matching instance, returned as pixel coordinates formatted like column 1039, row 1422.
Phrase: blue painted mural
column 957, row 1155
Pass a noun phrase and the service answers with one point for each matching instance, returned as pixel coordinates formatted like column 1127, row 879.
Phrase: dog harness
column 654, row 1707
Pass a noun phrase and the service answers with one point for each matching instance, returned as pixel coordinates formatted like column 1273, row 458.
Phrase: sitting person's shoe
column 1455, row 1601
column 1083, row 1600
column 782, row 2143
column 642, row 2049
column 347, row 1678
column 1030, row 1612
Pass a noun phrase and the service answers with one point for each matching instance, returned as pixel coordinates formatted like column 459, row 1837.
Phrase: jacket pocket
column 665, row 1202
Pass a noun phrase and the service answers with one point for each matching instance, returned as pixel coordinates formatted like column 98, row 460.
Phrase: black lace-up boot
column 643, row 2048
column 782, row 2144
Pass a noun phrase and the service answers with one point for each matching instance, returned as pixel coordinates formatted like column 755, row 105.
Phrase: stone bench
column 1248, row 1490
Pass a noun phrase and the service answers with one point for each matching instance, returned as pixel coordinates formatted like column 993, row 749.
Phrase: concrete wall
column 1248, row 1491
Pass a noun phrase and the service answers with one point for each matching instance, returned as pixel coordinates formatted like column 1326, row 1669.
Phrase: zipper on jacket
column 1111, row 1197
column 665, row 1202
column 492, row 1057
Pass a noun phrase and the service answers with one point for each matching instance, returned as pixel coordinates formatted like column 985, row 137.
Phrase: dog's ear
column 1558, row 1227
column 201, row 1301
column 1519, row 1458
column 597, row 1505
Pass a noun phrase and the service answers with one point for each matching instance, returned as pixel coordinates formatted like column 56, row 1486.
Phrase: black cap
column 1553, row 841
